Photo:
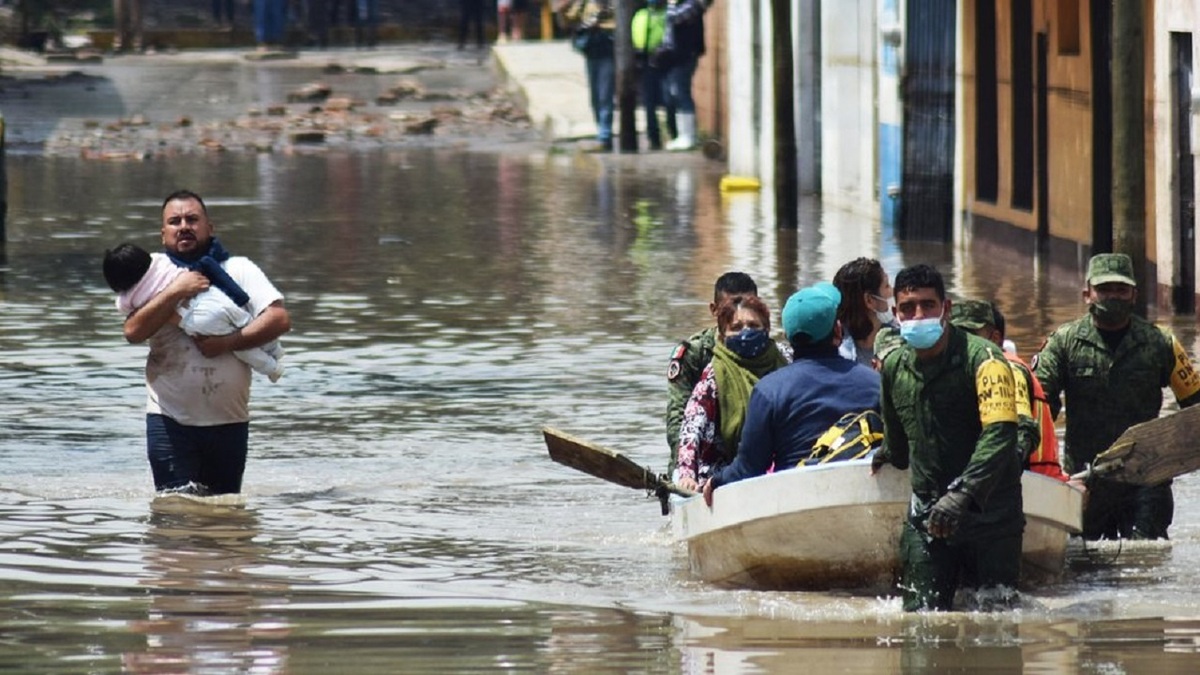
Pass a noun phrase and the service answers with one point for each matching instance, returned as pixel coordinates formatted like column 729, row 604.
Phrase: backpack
column 854, row 436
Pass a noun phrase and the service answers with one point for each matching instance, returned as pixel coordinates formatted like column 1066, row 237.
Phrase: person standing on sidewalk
column 593, row 22
column 471, row 12
column 683, row 45
column 128, row 33
column 510, row 17
column 270, row 18
column 649, row 24
column 222, row 11
column 366, row 29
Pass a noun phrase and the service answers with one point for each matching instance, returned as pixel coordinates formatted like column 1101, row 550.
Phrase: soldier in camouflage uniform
column 1112, row 367
column 691, row 356
column 1035, row 424
column 950, row 413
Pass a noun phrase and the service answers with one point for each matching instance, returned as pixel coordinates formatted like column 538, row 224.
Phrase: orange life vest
column 1044, row 458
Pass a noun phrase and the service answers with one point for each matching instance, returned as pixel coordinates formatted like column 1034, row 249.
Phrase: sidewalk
column 551, row 80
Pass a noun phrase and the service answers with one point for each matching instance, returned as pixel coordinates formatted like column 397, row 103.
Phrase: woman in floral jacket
column 712, row 420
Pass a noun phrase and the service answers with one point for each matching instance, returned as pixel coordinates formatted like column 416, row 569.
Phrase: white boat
column 835, row 526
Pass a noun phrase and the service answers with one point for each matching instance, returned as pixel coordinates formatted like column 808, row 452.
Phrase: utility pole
column 626, row 77
column 786, row 169
column 1129, row 141
column 3, row 185
column 547, row 21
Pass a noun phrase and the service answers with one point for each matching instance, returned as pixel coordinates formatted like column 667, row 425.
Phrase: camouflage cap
column 887, row 340
column 972, row 314
column 1107, row 268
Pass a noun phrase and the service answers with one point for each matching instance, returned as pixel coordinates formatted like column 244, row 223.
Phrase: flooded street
column 400, row 512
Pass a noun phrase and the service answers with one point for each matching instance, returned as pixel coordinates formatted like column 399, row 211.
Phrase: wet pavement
column 131, row 107
column 521, row 96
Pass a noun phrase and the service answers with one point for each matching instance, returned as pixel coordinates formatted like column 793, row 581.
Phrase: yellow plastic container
column 740, row 184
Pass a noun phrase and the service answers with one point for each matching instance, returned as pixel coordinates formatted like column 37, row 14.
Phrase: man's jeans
column 652, row 100
column 211, row 458
column 679, row 85
column 602, row 82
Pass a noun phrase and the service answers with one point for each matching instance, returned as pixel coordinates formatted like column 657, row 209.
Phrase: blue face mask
column 749, row 343
column 921, row 333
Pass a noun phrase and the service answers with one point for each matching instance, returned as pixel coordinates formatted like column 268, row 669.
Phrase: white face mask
column 886, row 318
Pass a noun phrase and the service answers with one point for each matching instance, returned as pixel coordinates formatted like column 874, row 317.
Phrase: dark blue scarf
column 210, row 266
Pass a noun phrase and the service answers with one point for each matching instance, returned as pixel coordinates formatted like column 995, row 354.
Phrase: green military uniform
column 887, row 340
column 973, row 315
column 1108, row 391
column 953, row 419
column 683, row 372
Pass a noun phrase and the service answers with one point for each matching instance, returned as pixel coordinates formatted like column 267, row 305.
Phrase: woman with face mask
column 865, row 308
column 712, row 420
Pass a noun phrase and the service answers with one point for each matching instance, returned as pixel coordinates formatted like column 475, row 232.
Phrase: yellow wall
column 1069, row 103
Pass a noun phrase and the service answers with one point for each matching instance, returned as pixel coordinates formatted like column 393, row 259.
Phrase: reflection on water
column 401, row 513
column 207, row 612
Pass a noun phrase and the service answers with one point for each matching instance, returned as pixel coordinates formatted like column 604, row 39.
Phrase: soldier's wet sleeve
column 1028, row 433
column 996, row 448
column 895, row 441
column 682, row 376
column 1184, row 380
column 1048, row 365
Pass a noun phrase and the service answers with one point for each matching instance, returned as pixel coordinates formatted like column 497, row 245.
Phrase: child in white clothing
column 137, row 275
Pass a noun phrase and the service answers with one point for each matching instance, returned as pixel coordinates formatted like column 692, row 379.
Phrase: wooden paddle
column 1152, row 452
column 607, row 464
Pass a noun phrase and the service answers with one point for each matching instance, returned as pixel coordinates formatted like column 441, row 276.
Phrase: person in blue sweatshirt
column 790, row 408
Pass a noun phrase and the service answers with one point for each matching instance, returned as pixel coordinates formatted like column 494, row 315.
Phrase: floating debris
column 313, row 91
column 421, row 127
column 311, row 136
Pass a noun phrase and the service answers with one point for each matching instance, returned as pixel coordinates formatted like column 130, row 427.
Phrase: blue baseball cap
column 812, row 311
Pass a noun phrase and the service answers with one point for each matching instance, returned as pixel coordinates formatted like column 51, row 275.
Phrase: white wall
column 1171, row 16
column 847, row 167
column 807, row 84
column 741, row 76
column 849, row 117
column 766, row 95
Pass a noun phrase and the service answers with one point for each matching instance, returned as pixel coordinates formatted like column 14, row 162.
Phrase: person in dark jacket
column 683, row 45
column 790, row 408
column 593, row 23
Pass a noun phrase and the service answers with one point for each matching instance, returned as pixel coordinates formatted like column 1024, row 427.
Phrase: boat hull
column 835, row 526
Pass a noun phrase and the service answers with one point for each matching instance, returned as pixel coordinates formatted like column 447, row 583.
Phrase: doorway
column 1184, row 237
column 927, row 172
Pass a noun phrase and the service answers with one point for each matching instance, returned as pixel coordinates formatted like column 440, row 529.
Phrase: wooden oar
column 604, row 463
column 1152, row 452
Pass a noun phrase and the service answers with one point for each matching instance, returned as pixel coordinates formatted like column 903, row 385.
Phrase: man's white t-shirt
column 188, row 387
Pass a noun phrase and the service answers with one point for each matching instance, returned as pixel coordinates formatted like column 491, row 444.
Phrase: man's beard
column 194, row 254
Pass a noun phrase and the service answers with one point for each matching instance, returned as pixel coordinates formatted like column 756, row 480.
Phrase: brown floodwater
column 401, row 513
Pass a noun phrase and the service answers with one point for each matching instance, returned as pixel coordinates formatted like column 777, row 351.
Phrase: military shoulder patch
column 673, row 370
column 1033, row 361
